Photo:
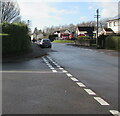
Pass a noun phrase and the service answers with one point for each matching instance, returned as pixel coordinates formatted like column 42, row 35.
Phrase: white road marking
column 101, row 101
column 86, row 49
column 58, row 66
column 61, row 68
column 74, row 79
column 64, row 71
column 90, row 92
column 46, row 62
column 115, row 112
column 81, row 84
column 48, row 57
column 90, row 50
column 52, row 68
column 68, row 74
column 13, row 71
column 54, row 71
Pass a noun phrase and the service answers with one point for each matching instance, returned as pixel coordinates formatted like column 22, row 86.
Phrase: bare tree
column 9, row 10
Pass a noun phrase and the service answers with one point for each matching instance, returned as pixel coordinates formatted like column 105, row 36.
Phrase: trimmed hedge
column 17, row 40
column 112, row 42
column 63, row 41
column 85, row 41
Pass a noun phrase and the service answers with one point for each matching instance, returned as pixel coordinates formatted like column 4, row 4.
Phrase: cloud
column 69, row 0
column 84, row 18
column 109, row 9
column 90, row 8
column 44, row 13
column 106, row 9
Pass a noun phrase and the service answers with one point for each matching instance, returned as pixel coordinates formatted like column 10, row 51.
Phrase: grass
column 94, row 45
column 3, row 34
column 63, row 41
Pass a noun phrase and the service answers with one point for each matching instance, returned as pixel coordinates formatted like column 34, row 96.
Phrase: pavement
column 106, row 51
column 36, row 52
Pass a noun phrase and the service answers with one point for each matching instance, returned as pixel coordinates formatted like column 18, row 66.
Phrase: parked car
column 46, row 43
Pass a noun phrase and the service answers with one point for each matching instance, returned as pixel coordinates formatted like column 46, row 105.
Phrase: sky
column 47, row 13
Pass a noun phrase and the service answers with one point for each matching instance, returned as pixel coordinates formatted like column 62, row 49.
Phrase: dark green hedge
column 17, row 40
column 112, row 42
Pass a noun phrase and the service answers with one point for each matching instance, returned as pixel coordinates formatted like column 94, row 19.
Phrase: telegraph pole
column 97, row 16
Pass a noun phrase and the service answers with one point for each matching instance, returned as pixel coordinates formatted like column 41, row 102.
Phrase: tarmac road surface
column 69, row 80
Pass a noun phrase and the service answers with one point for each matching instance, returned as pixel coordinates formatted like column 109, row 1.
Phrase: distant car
column 45, row 43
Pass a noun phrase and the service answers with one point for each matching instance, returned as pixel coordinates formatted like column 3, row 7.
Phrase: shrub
column 112, row 42
column 17, row 40
column 101, row 41
column 85, row 41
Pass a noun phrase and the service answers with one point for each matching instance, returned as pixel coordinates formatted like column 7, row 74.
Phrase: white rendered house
column 114, row 24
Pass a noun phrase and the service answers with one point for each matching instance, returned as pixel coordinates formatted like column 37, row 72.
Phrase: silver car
column 45, row 43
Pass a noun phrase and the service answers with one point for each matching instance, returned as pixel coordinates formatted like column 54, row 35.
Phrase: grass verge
column 63, row 41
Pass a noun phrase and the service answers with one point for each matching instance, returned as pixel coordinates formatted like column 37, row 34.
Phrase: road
column 70, row 80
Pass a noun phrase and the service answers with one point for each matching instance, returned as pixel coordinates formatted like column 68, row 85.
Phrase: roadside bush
column 101, row 41
column 17, row 40
column 63, row 41
column 112, row 42
column 85, row 41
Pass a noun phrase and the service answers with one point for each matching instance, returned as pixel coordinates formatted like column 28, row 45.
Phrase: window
column 115, row 23
column 119, row 22
column 110, row 24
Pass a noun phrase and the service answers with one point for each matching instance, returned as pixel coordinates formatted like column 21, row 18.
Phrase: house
column 40, row 35
column 84, row 31
column 105, row 31
column 72, row 36
column 57, row 35
column 37, row 35
column 114, row 24
column 65, row 34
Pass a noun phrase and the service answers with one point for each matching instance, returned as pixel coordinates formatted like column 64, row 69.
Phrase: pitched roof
column 108, row 29
column 88, row 29
column 114, row 18
column 63, row 30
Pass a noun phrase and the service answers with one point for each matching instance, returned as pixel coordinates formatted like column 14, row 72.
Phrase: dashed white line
column 61, row 68
column 46, row 61
column 54, row 71
column 101, row 101
column 52, row 68
column 115, row 112
column 68, row 74
column 58, row 66
column 81, row 84
column 90, row 50
column 74, row 79
column 15, row 71
column 90, row 92
column 64, row 71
